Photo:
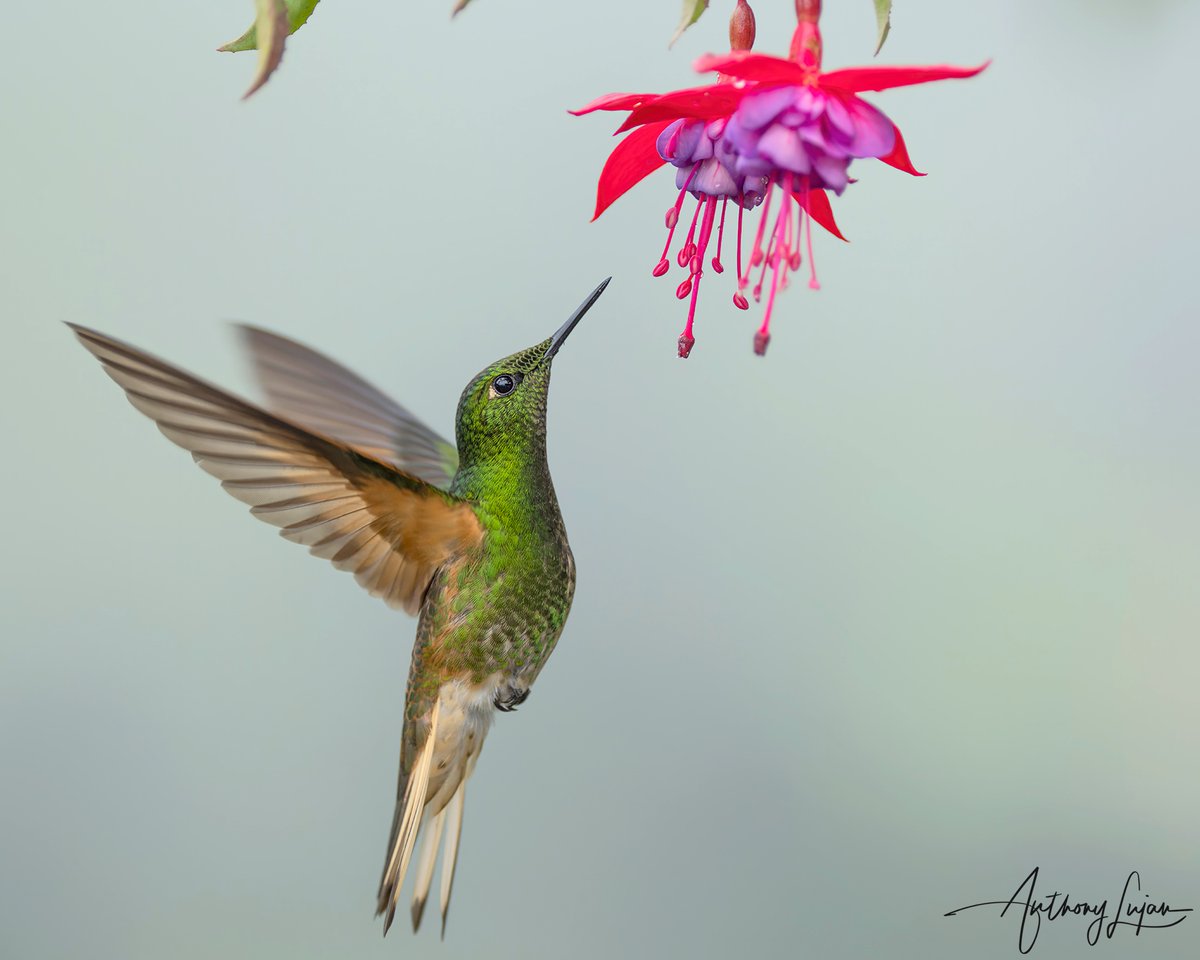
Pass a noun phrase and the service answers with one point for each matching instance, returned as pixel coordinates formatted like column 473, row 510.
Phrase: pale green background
column 863, row 632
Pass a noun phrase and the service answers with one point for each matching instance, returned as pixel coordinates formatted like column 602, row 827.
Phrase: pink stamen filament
column 688, row 250
column 756, row 251
column 716, row 261
column 781, row 224
column 796, row 260
column 813, row 283
column 663, row 264
column 785, row 251
column 710, row 211
column 741, row 210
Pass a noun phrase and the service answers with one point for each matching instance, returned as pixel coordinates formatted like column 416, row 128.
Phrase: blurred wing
column 308, row 388
column 392, row 530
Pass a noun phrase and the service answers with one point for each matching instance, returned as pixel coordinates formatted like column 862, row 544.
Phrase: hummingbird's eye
column 504, row 384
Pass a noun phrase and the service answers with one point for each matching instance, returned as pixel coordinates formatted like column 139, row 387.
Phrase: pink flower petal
column 634, row 159
column 858, row 79
column 752, row 66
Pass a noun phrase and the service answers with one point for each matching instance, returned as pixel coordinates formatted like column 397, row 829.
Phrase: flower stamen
column 688, row 250
column 672, row 220
column 686, row 339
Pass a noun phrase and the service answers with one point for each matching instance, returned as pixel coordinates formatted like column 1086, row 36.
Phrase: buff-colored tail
column 430, row 806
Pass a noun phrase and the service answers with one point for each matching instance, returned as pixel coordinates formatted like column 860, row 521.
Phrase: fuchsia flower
column 769, row 127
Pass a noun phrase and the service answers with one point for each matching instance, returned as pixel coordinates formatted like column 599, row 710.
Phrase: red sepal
column 759, row 67
column 858, row 79
column 614, row 101
column 898, row 158
column 816, row 204
column 634, row 159
column 700, row 103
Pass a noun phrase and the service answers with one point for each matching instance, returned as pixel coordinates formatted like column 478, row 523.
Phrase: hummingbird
column 468, row 536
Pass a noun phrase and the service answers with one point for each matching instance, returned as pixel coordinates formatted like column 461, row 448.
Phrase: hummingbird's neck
column 510, row 482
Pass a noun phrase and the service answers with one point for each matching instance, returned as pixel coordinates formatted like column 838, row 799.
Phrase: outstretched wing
column 391, row 529
column 309, row 389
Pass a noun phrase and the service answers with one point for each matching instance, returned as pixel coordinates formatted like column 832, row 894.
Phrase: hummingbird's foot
column 509, row 697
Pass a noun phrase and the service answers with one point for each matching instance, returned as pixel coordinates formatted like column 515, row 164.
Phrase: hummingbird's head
column 502, row 411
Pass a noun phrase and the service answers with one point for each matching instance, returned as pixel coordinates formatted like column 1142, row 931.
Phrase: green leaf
column 692, row 9
column 298, row 12
column 271, row 25
column 883, row 17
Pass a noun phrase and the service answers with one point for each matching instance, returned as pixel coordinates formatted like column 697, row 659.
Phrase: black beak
column 565, row 330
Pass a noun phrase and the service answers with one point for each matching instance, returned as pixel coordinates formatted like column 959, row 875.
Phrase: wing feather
column 391, row 528
column 308, row 388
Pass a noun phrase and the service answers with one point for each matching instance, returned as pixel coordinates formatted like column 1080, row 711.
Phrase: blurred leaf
column 692, row 9
column 459, row 6
column 271, row 26
column 883, row 17
column 298, row 12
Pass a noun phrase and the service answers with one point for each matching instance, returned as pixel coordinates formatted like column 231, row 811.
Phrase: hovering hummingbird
column 471, row 539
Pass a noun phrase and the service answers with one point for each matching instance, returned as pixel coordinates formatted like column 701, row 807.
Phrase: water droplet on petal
column 661, row 267
column 684, row 288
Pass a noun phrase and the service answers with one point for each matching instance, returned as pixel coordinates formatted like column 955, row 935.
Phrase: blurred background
column 864, row 631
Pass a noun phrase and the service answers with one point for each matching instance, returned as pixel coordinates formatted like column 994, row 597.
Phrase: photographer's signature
column 1134, row 909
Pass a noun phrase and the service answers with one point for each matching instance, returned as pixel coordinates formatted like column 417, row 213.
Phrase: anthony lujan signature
column 1150, row 915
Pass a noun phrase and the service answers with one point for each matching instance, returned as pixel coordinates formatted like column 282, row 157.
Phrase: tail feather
column 430, row 841
column 450, row 850
column 432, row 799
column 410, row 821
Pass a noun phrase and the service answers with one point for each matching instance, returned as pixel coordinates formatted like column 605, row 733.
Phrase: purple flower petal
column 791, row 117
column 874, row 135
column 691, row 135
column 753, row 191
column 752, row 165
column 713, row 179
column 839, row 117
column 758, row 109
column 783, row 148
column 667, row 140
column 832, row 172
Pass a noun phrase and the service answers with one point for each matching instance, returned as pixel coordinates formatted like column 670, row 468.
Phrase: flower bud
column 741, row 27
